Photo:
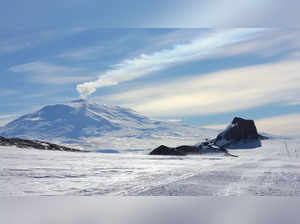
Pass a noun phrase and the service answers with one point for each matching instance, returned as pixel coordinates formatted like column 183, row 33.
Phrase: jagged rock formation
column 238, row 130
column 23, row 143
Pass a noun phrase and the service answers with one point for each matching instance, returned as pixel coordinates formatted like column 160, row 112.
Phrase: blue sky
column 202, row 76
column 199, row 76
column 35, row 15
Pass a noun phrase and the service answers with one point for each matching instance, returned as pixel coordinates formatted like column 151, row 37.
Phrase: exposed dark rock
column 23, row 143
column 164, row 150
column 239, row 130
column 178, row 151
column 187, row 149
column 240, row 134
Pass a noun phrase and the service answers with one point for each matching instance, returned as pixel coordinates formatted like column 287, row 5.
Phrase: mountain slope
column 72, row 120
column 81, row 120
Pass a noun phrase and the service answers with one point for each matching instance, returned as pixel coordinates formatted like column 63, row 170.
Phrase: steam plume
column 147, row 64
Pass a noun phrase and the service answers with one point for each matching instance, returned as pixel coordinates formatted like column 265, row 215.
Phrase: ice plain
column 271, row 170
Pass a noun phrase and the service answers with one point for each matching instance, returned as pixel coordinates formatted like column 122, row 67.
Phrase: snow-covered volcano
column 76, row 119
column 82, row 120
column 71, row 120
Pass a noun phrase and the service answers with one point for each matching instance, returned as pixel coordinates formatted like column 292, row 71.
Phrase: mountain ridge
column 83, row 120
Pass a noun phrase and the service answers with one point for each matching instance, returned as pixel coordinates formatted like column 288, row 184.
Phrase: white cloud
column 104, row 48
column 6, row 118
column 23, row 41
column 41, row 67
column 10, row 46
column 147, row 64
column 42, row 72
column 83, row 53
column 271, row 42
column 217, row 126
column 61, row 80
column 223, row 91
column 170, row 39
column 227, row 13
column 285, row 125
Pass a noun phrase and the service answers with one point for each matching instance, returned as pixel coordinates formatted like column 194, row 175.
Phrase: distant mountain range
column 81, row 120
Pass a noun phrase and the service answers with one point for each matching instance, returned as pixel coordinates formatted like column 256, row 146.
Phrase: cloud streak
column 6, row 118
column 46, row 73
column 147, row 64
column 216, row 13
column 20, row 41
column 219, row 92
column 81, row 54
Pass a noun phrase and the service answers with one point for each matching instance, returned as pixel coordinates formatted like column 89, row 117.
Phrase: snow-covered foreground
column 273, row 169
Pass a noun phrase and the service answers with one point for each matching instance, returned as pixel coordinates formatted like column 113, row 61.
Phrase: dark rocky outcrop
column 240, row 134
column 239, row 130
column 178, row 151
column 24, row 143
column 187, row 150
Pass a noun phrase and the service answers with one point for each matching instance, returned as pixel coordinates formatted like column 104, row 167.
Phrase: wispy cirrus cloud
column 10, row 46
column 102, row 48
column 6, row 118
column 83, row 53
column 285, row 125
column 47, row 73
column 14, row 43
column 219, row 92
column 40, row 67
column 271, row 43
column 146, row 64
column 220, row 14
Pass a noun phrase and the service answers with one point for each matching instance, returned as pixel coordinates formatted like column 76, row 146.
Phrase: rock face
column 178, row 151
column 239, row 129
column 23, row 143
column 186, row 150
